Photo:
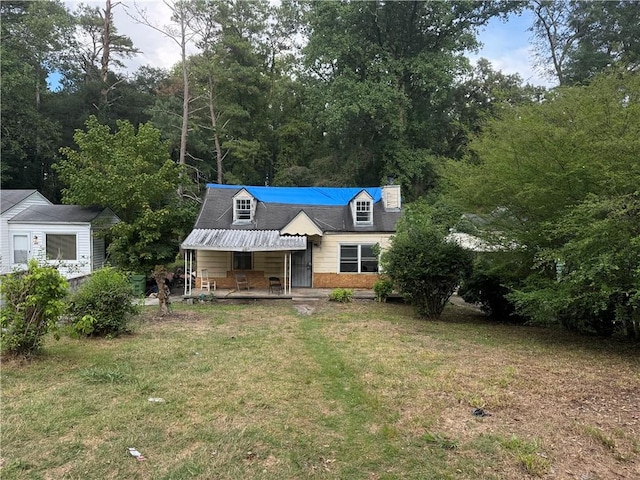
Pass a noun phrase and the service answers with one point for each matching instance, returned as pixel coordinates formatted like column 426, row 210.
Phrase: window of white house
column 242, row 260
column 242, row 210
column 358, row 259
column 61, row 247
column 20, row 248
column 363, row 212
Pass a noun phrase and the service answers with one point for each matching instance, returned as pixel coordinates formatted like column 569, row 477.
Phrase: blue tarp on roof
column 320, row 196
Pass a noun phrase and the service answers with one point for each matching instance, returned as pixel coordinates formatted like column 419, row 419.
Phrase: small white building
column 64, row 235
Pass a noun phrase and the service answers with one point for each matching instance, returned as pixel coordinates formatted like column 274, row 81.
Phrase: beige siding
column 326, row 255
column 301, row 225
column 271, row 263
column 218, row 263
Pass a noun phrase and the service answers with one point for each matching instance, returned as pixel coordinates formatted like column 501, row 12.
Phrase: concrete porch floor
column 258, row 294
column 263, row 294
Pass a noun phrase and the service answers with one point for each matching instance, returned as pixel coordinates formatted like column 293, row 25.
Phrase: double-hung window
column 61, row 247
column 242, row 210
column 363, row 212
column 358, row 259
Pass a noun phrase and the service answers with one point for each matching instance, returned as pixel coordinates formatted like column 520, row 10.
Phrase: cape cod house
column 65, row 235
column 321, row 237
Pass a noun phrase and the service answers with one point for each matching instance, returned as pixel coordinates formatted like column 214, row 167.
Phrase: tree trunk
column 160, row 276
column 214, row 125
column 106, row 42
column 185, row 94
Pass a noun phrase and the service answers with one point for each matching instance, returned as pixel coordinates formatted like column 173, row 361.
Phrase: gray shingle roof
column 217, row 213
column 57, row 214
column 10, row 198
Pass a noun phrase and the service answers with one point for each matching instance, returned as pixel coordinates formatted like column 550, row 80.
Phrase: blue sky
column 507, row 45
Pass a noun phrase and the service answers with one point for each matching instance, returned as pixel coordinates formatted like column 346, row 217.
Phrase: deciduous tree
column 131, row 172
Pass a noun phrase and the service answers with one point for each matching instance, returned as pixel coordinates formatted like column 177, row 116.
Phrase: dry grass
column 361, row 390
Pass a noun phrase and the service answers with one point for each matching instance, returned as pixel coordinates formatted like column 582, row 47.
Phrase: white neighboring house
column 65, row 235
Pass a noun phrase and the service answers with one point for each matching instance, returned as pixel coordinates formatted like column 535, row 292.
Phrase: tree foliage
column 423, row 265
column 32, row 42
column 559, row 178
column 130, row 171
column 34, row 299
column 575, row 40
column 385, row 74
column 103, row 304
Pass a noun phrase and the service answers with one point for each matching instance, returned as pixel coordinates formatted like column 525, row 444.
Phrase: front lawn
column 323, row 390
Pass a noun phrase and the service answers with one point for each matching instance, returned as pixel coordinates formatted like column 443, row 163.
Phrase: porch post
column 289, row 273
column 185, row 272
column 188, row 280
column 284, row 272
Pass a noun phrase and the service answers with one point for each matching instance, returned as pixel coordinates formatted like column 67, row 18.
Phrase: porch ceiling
column 243, row 240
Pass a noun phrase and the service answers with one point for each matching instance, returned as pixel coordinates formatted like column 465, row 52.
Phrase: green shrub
column 33, row 304
column 383, row 288
column 490, row 284
column 424, row 266
column 343, row 295
column 103, row 305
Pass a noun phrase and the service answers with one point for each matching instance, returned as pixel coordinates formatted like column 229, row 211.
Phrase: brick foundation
column 320, row 280
column 343, row 280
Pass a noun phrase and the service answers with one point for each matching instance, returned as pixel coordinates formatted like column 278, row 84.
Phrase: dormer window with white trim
column 243, row 208
column 363, row 212
column 362, row 209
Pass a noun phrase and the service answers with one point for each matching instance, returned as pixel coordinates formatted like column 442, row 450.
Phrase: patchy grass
column 361, row 391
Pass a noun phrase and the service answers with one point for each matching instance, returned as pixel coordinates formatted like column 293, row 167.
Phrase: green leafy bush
column 33, row 304
column 383, row 288
column 489, row 285
column 343, row 295
column 424, row 266
column 103, row 305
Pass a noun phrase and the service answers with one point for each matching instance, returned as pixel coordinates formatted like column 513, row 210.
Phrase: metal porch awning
column 243, row 241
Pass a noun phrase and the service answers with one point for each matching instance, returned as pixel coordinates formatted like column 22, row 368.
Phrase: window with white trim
column 363, row 212
column 61, row 246
column 358, row 259
column 242, row 210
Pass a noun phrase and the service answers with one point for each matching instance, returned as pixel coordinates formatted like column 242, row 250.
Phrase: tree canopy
column 557, row 178
column 131, row 172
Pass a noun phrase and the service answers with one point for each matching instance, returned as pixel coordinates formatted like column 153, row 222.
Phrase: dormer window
column 363, row 212
column 243, row 207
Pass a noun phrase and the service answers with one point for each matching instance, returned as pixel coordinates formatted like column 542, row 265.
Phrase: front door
column 301, row 267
